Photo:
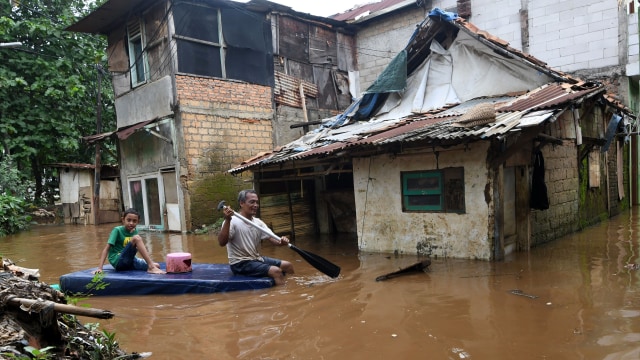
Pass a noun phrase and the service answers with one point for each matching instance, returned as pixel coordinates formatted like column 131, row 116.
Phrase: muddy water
column 571, row 299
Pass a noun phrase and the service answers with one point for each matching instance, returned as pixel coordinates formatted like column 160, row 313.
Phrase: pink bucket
column 178, row 262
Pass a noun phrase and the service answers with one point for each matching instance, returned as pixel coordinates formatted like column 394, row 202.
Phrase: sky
column 321, row 7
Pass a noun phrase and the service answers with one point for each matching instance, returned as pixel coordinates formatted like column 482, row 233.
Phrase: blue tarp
column 204, row 279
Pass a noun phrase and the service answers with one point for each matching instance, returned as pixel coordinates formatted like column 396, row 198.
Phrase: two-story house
column 202, row 85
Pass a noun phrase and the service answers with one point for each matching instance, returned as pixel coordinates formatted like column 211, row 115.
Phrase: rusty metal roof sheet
column 550, row 96
column 513, row 113
column 287, row 89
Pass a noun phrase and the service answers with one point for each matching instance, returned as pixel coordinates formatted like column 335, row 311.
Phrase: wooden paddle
column 317, row 261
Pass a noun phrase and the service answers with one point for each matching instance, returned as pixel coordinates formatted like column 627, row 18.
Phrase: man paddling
column 243, row 242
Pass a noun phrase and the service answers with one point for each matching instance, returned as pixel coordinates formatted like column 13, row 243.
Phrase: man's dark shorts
column 255, row 268
column 129, row 261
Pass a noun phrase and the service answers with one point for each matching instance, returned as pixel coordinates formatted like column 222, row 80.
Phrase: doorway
column 146, row 196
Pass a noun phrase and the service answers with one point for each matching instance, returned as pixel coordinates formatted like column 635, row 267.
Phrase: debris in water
column 520, row 293
column 36, row 317
column 421, row 266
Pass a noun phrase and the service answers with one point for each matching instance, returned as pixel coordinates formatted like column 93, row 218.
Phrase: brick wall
column 222, row 123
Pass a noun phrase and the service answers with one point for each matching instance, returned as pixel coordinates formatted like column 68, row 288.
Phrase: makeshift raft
column 203, row 279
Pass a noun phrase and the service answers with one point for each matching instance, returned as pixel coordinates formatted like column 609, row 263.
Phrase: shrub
column 13, row 215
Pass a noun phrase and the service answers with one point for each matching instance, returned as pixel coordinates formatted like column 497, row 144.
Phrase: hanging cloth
column 539, row 198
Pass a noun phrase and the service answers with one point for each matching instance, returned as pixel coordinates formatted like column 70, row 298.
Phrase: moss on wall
column 593, row 201
column 206, row 193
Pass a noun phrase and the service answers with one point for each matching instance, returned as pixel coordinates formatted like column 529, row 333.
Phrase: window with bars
column 433, row 190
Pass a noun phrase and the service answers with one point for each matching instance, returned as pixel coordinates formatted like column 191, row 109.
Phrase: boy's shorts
column 129, row 261
column 255, row 268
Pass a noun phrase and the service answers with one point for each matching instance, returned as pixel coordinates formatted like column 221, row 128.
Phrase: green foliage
column 107, row 346
column 12, row 181
column 97, row 283
column 215, row 227
column 13, row 215
column 37, row 354
column 49, row 88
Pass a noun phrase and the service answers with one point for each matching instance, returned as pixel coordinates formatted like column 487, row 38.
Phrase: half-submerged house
column 463, row 147
column 201, row 85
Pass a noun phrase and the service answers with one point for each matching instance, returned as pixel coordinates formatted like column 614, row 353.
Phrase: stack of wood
column 33, row 315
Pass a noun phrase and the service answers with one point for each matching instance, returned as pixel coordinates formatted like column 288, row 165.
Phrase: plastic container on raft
column 179, row 262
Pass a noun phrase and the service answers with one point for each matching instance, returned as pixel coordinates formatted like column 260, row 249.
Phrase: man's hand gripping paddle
column 318, row 262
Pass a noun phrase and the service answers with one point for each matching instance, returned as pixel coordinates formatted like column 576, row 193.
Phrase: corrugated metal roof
column 287, row 89
column 551, row 96
column 513, row 112
column 512, row 115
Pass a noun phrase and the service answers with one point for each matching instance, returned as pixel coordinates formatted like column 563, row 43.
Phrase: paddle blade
column 318, row 262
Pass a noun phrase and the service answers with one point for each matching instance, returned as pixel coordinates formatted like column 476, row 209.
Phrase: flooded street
column 570, row 299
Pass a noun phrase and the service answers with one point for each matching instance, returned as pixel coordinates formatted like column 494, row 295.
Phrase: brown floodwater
column 583, row 303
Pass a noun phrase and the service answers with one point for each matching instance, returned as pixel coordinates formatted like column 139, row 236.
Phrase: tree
column 48, row 87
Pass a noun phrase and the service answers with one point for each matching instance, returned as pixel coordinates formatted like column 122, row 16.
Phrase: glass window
column 137, row 53
column 433, row 190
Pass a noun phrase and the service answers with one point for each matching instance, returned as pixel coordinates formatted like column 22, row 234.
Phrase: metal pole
column 11, row 44
column 96, row 193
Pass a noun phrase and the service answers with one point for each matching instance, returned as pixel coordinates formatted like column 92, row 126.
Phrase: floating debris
column 35, row 319
column 520, row 293
column 418, row 267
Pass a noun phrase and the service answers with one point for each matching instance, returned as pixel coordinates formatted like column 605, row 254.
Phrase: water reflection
column 584, row 303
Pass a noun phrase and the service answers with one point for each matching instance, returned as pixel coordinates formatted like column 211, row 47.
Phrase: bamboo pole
column 63, row 308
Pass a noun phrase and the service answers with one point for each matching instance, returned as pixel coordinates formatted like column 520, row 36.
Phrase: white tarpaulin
column 466, row 71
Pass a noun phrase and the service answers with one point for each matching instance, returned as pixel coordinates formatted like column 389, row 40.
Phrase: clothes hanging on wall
column 539, row 198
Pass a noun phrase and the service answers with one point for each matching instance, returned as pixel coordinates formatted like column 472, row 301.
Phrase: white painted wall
column 69, row 186
column 633, row 43
column 569, row 35
column 383, row 227
column 500, row 18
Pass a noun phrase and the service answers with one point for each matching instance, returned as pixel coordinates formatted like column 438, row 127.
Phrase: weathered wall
column 382, row 39
column 287, row 116
column 223, row 123
column 383, row 227
column 149, row 101
column 156, row 39
column 568, row 35
column 561, row 178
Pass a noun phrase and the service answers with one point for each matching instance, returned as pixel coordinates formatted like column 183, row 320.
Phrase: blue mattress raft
column 203, row 279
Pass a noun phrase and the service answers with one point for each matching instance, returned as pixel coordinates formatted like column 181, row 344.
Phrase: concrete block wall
column 500, row 18
column 561, row 178
column 633, row 43
column 382, row 40
column 223, row 123
column 574, row 35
